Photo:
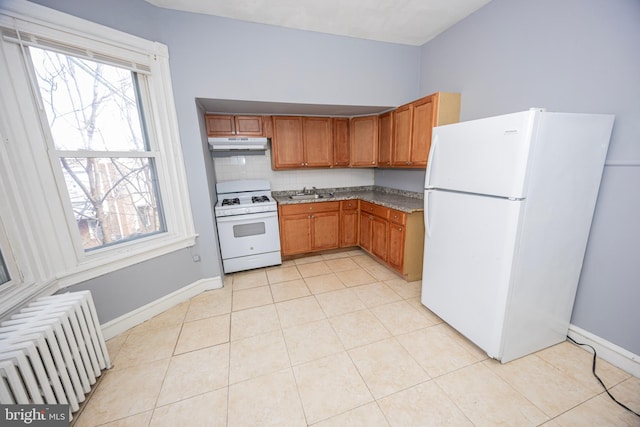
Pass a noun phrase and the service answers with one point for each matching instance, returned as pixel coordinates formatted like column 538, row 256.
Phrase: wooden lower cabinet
column 394, row 237
column 309, row 227
column 348, row 223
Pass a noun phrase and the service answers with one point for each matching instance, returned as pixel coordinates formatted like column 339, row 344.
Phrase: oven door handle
column 248, row 216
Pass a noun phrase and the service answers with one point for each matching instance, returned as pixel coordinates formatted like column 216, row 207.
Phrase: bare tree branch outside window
column 98, row 134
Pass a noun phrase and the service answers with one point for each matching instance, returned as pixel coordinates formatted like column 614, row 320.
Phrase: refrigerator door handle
column 427, row 220
column 432, row 153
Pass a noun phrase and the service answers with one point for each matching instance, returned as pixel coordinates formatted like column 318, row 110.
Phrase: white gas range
column 248, row 231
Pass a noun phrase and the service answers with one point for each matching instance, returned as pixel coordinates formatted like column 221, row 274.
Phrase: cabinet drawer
column 309, row 207
column 397, row 217
column 376, row 210
column 347, row 205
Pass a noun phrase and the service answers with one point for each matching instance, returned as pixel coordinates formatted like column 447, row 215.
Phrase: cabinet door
column 295, row 234
column 325, row 229
column 395, row 256
column 423, row 122
column 287, row 144
column 401, row 148
column 379, row 231
column 365, row 231
column 385, row 137
column 364, row 141
column 318, row 141
column 341, row 150
column 220, row 125
column 348, row 223
column 249, row 125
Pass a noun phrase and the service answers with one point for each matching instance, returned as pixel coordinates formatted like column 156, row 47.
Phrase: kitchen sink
column 309, row 196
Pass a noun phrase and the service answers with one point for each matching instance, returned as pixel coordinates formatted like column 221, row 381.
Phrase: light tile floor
column 337, row 340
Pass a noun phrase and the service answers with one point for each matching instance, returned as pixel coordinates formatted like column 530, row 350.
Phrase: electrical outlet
column 196, row 258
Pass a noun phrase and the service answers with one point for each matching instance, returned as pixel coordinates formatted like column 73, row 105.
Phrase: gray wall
column 575, row 56
column 212, row 57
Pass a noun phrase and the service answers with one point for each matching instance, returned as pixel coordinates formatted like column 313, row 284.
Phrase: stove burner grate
column 259, row 199
column 228, row 202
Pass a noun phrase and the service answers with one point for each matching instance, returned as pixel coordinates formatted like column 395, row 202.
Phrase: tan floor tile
column 400, row 317
column 336, row 255
column 254, row 321
column 255, row 356
column 330, row 386
column 381, row 272
column 375, row 294
column 209, row 409
column 249, row 279
column 203, row 333
column 436, row 350
column 124, row 392
column 365, row 260
column 146, row 345
column 289, row 290
column 137, row 420
column 575, row 361
column 194, row 373
column 542, row 384
column 283, row 274
column 339, row 302
column 358, row 328
column 599, row 411
column 114, row 345
column 341, row 264
column 486, row 399
column 171, row 317
column 628, row 393
column 405, row 289
column 387, row 367
column 423, row 405
column 209, row 304
column 311, row 341
column 308, row 259
column 269, row 400
column 313, row 269
column 355, row 277
column 254, row 297
column 430, row 315
column 368, row 415
column 324, row 283
column 299, row 311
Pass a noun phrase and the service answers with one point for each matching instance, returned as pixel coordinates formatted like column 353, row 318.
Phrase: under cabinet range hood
column 238, row 143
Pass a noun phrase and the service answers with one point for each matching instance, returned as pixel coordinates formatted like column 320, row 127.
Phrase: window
column 99, row 139
column 4, row 272
column 92, row 177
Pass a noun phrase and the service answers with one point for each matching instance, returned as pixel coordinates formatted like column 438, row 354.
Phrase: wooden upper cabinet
column 385, row 136
column 364, row 141
column 401, row 147
column 233, row 125
column 341, row 149
column 300, row 142
column 413, row 127
column 317, row 135
column 286, row 144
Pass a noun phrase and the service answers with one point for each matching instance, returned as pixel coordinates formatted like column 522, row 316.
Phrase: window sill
column 94, row 266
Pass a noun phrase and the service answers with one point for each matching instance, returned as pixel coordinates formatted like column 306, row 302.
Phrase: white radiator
column 52, row 351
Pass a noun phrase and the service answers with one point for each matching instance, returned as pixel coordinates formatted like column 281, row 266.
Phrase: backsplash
column 258, row 166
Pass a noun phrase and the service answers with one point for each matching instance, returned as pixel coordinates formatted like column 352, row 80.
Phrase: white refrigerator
column 508, row 207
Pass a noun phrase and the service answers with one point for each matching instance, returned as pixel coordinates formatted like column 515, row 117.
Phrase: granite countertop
column 404, row 201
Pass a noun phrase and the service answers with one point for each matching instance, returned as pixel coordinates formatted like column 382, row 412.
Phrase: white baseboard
column 120, row 324
column 608, row 351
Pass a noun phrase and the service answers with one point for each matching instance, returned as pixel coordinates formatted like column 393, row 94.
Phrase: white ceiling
column 409, row 22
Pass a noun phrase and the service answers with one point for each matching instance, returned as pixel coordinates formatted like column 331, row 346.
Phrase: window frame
column 50, row 253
